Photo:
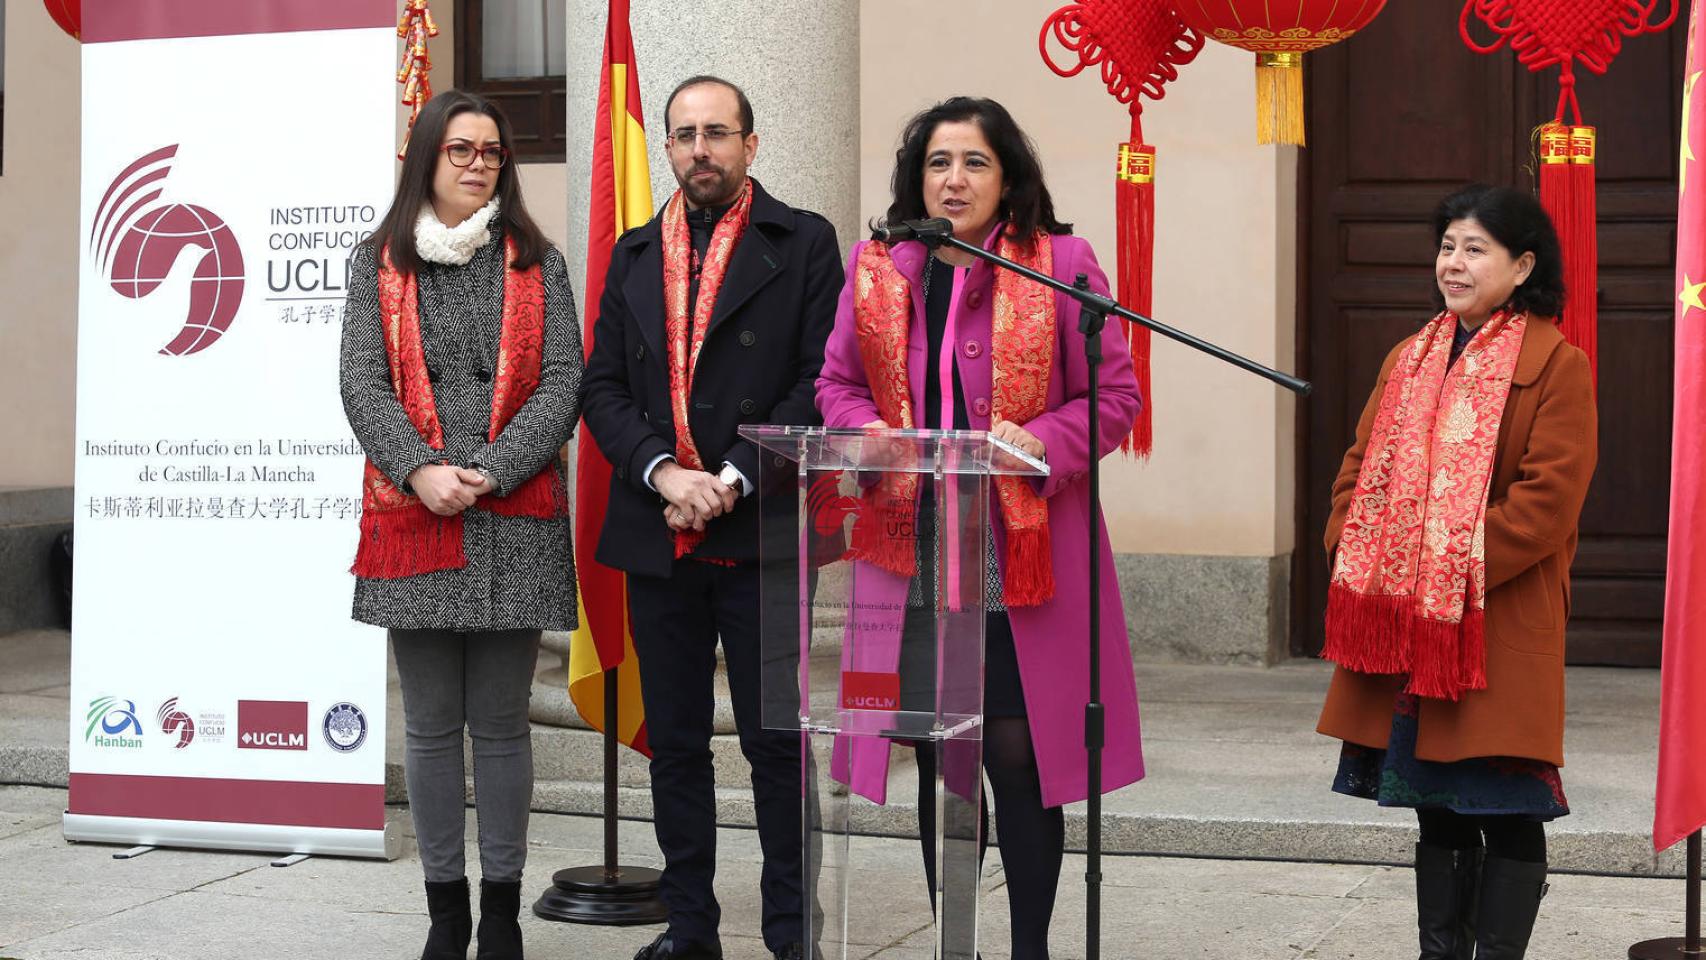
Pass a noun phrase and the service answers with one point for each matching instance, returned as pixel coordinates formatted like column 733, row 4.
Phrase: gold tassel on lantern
column 1279, row 98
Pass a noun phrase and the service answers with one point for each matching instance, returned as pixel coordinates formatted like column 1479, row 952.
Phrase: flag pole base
column 1665, row 948
column 591, row 895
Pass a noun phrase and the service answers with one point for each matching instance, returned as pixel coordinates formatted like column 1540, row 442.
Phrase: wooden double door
column 1401, row 115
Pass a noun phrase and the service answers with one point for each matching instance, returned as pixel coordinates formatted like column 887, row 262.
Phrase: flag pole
column 610, row 894
column 1686, row 947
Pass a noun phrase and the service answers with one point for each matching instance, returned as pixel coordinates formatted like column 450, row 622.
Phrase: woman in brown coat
column 1452, row 531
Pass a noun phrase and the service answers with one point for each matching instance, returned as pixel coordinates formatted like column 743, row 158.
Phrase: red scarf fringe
column 403, row 543
column 1442, row 658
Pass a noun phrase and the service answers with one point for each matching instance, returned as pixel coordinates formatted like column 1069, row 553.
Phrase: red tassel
column 1368, row 633
column 1472, row 651
column 1434, row 659
column 1568, row 194
column 543, row 496
column 403, row 543
column 1028, row 580
column 1581, row 314
column 1134, row 211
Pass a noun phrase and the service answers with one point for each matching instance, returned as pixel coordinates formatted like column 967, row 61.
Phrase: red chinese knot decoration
column 1140, row 46
column 1562, row 33
column 1279, row 33
column 415, row 72
column 68, row 14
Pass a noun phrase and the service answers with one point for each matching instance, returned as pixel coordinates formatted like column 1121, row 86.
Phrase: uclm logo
column 272, row 725
column 137, row 236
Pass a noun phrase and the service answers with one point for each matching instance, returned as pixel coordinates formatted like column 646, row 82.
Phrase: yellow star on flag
column 1689, row 296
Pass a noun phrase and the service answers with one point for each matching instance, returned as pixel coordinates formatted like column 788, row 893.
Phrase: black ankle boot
column 1510, row 900
column 447, row 905
column 1446, row 882
column 500, row 933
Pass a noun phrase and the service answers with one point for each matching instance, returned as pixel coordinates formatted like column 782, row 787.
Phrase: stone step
column 1627, row 853
column 31, row 519
column 562, row 753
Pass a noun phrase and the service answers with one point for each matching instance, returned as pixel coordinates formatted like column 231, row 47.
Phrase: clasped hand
column 448, row 490
column 695, row 497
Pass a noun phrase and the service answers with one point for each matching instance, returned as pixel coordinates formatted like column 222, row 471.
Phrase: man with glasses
column 714, row 315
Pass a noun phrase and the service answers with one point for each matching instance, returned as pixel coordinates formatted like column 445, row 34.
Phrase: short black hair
column 1518, row 222
column 703, row 78
column 1027, row 206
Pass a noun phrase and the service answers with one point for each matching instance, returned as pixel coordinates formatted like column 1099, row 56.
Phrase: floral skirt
column 1479, row 785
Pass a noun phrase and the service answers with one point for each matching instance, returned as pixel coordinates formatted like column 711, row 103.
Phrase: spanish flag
column 1680, row 807
column 621, row 197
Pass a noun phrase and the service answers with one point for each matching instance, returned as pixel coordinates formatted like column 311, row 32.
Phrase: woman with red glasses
column 460, row 371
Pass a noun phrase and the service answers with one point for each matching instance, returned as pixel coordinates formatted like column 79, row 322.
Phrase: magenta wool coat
column 1050, row 638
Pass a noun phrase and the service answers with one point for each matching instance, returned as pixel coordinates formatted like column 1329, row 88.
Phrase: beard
column 714, row 191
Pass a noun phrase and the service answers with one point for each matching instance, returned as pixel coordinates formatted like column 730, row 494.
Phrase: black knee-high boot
column 452, row 925
column 1446, row 883
column 1511, row 891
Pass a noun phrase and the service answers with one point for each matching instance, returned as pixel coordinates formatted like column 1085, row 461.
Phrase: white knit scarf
column 437, row 243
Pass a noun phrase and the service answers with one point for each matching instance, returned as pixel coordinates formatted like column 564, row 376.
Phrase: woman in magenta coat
column 967, row 160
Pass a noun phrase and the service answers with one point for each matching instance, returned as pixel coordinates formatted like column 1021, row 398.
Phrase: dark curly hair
column 1027, row 205
column 1516, row 220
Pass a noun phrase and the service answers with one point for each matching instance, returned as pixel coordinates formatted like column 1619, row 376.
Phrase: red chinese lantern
column 1279, row 33
column 68, row 14
column 1140, row 46
column 1561, row 33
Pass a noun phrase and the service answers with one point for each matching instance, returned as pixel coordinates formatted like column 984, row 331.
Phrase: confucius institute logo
column 173, row 720
column 136, row 237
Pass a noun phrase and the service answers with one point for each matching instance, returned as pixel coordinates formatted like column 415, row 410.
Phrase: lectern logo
column 135, row 239
column 870, row 691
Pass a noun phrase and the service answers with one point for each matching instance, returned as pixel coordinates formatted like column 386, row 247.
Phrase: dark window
column 513, row 53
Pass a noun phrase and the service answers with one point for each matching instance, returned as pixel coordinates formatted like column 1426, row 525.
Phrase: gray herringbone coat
column 520, row 572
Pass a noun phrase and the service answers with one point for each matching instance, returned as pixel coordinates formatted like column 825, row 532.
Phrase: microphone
column 933, row 229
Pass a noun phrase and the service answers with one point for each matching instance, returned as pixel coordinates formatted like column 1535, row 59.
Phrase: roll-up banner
column 234, row 153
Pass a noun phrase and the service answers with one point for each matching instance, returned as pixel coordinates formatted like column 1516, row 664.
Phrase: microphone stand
column 1093, row 313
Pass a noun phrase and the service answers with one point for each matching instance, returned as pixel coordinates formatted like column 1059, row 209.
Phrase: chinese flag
column 1681, row 802
column 621, row 197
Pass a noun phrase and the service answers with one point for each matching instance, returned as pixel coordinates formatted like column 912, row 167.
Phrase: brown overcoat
column 1548, row 445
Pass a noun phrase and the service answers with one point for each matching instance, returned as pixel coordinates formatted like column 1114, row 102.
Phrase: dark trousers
column 677, row 622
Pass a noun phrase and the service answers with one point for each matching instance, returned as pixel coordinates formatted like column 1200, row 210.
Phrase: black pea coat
column 759, row 364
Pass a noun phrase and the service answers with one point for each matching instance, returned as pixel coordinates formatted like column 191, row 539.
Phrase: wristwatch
column 731, row 478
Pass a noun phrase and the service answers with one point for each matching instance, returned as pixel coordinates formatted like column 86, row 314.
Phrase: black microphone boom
column 933, row 228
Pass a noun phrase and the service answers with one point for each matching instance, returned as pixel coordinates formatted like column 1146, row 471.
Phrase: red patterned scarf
column 1409, row 587
column 683, row 334
column 1021, row 359
column 400, row 537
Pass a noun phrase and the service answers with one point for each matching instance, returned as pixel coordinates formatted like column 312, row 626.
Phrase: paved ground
column 1253, row 848
column 60, row 900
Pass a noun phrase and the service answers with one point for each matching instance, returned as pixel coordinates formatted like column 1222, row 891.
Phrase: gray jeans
column 482, row 681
